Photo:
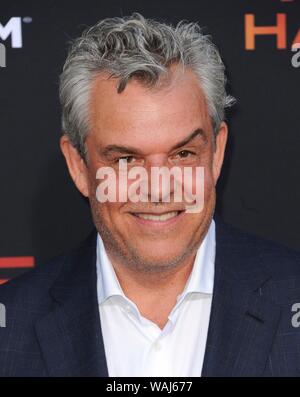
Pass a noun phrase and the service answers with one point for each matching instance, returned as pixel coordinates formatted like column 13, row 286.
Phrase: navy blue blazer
column 53, row 325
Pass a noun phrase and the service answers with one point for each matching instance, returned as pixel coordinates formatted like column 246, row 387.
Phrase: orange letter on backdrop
column 296, row 41
column 251, row 31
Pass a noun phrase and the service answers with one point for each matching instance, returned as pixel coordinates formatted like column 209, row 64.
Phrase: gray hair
column 135, row 47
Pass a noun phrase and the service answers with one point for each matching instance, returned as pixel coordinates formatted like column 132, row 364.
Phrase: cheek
column 208, row 182
column 201, row 183
column 124, row 185
column 110, row 211
column 106, row 212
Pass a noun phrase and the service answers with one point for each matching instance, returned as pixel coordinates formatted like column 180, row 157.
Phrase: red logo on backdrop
column 15, row 262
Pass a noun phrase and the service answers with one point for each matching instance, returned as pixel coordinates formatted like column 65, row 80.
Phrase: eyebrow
column 131, row 150
column 189, row 138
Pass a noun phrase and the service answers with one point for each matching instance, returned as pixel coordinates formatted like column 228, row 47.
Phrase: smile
column 165, row 218
column 158, row 217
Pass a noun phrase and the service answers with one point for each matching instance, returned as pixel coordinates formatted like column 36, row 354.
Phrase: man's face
column 152, row 128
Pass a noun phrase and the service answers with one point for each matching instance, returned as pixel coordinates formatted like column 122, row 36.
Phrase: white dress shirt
column 136, row 346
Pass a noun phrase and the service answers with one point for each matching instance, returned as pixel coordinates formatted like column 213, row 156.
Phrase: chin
column 158, row 257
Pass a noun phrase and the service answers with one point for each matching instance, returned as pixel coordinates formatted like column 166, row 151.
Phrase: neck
column 155, row 294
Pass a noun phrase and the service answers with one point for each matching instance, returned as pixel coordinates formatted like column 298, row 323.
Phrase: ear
column 76, row 165
column 218, row 154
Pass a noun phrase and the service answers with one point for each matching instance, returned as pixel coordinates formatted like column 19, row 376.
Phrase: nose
column 160, row 186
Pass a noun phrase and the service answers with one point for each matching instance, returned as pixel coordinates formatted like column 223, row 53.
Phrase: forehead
column 142, row 115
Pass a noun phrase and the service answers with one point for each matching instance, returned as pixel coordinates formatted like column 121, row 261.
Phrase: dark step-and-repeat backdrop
column 42, row 214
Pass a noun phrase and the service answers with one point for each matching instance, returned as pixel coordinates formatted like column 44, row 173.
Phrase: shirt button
column 157, row 346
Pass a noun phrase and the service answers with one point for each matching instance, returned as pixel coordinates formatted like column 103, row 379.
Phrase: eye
column 126, row 159
column 183, row 154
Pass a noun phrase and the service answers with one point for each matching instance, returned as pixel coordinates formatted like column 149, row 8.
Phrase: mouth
column 158, row 217
column 154, row 219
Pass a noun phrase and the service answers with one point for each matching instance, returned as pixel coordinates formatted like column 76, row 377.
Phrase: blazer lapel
column 70, row 334
column 243, row 322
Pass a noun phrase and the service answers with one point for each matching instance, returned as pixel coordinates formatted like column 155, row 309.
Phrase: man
column 161, row 287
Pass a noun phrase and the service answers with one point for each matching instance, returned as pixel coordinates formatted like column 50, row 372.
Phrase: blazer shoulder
column 34, row 284
column 277, row 259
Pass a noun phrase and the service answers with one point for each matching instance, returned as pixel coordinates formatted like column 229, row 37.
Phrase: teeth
column 160, row 218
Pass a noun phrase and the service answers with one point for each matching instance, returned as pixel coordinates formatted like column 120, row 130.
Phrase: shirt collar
column 107, row 282
column 200, row 280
